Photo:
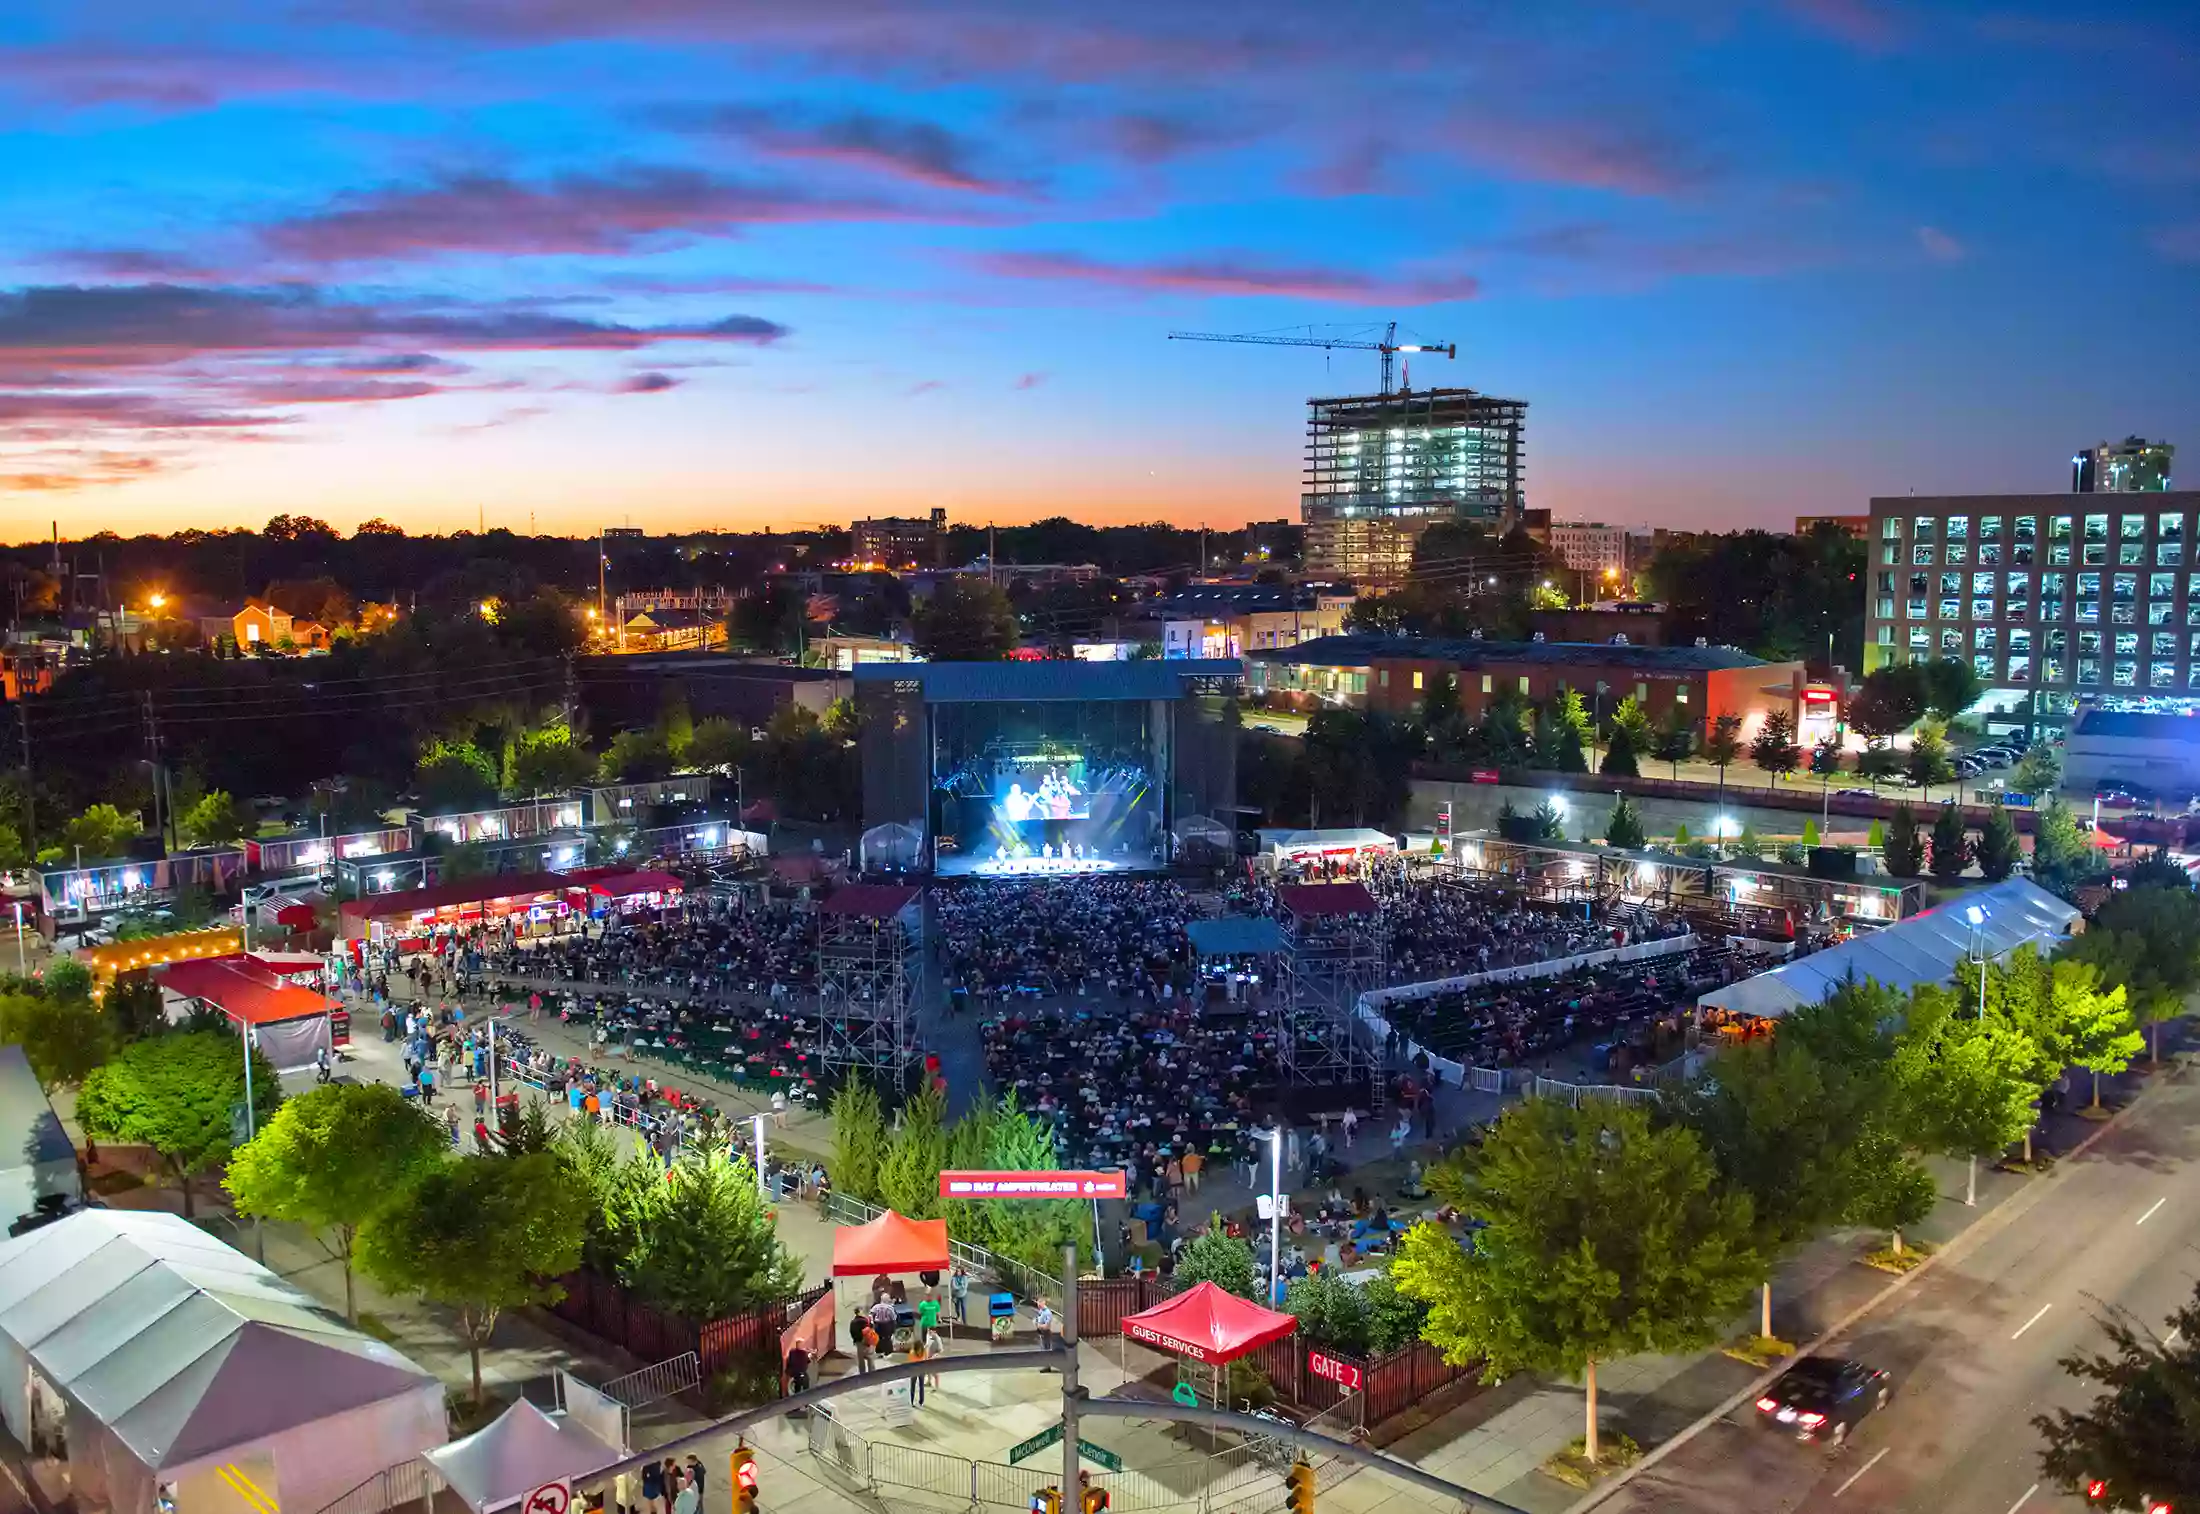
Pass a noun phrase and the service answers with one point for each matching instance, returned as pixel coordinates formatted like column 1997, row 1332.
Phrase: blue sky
column 740, row 263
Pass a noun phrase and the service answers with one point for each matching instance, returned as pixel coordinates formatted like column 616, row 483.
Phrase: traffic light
column 1299, row 1486
column 744, row 1479
column 1096, row 1501
column 1047, row 1501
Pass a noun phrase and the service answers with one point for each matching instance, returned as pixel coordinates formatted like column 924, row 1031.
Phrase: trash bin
column 1002, row 1308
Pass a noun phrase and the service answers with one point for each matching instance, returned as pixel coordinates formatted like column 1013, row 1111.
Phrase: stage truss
column 868, row 939
column 1333, row 953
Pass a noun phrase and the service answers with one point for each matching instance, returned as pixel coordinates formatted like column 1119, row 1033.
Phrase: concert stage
column 1039, row 867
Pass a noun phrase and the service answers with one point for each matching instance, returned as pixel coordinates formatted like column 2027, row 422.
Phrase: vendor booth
column 891, row 1246
column 290, row 1025
column 160, row 1371
column 1209, row 1327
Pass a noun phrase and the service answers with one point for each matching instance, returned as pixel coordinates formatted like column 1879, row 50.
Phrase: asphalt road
column 1974, row 1345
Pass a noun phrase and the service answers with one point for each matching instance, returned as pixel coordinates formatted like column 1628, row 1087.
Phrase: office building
column 1229, row 620
column 2131, row 466
column 1383, row 468
column 2053, row 597
column 1590, row 548
column 1858, row 526
column 901, row 542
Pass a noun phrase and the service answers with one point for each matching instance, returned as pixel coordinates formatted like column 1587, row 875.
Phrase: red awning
column 627, row 884
column 890, row 1244
column 243, row 990
column 297, row 917
column 1206, row 1325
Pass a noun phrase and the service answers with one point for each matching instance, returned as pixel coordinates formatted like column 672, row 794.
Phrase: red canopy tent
column 1206, row 1325
column 890, row 1244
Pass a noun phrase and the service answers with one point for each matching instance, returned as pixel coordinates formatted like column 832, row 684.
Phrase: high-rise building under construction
column 1382, row 468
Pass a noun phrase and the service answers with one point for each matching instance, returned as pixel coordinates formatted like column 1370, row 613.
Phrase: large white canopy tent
column 166, row 1358
column 517, row 1452
column 1927, row 948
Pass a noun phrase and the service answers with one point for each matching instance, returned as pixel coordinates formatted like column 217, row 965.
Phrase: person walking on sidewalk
column 959, row 1288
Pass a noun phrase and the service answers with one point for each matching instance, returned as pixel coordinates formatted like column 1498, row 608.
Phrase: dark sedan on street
column 1823, row 1398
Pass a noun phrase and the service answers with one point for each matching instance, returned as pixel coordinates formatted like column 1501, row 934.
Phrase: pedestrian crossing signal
column 744, row 1479
column 1047, row 1501
column 1299, row 1486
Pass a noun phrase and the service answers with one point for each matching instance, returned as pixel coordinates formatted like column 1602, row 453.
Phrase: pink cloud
column 924, row 386
column 647, row 383
column 920, row 152
column 1579, row 153
column 1031, row 380
column 1940, row 246
column 1228, row 274
column 1862, row 24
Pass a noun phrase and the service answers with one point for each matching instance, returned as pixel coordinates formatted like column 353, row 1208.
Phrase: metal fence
column 889, row 1464
column 413, row 1482
column 660, row 1381
column 1577, row 1094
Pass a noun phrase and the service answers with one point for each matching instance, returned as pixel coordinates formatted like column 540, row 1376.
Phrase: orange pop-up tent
column 890, row 1244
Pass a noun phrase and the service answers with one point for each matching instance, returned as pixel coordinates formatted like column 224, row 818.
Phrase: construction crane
column 1389, row 346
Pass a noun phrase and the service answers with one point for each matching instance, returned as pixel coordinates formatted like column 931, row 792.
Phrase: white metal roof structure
column 165, row 1353
column 1927, row 948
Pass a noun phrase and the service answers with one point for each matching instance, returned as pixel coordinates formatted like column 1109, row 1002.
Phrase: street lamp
column 761, row 1186
column 1275, row 1215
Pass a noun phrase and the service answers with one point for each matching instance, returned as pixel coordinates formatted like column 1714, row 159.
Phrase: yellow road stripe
column 247, row 1489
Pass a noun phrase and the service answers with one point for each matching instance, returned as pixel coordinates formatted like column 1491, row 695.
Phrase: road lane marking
column 2171, row 1338
column 1860, row 1471
column 2142, row 1219
column 2025, row 1499
column 2035, row 1319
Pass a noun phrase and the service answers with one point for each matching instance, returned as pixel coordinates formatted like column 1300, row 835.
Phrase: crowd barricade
column 1369, row 1006
column 602, row 1308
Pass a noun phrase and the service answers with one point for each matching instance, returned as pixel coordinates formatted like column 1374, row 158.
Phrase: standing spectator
column 1351, row 1122
column 653, row 1488
column 934, row 1349
column 1401, row 1133
column 695, row 1473
column 928, row 1312
column 916, row 1355
column 859, row 1326
column 1193, row 1161
column 1042, row 1320
column 959, row 1287
column 798, row 1369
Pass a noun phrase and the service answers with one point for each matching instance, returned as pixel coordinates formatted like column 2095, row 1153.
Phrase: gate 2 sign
column 1032, row 1185
column 1345, row 1375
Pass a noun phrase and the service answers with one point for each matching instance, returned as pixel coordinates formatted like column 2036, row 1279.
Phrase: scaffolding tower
column 867, row 954
column 1333, row 953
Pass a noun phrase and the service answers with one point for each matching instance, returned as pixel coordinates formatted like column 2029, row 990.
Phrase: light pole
column 761, row 1187
column 22, row 967
column 1977, row 917
column 1275, row 1215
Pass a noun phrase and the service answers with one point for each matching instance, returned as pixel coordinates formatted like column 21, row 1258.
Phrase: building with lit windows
column 2054, row 598
column 1382, row 468
column 894, row 541
column 2131, row 466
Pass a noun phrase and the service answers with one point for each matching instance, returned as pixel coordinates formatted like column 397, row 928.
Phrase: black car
column 1824, row 1397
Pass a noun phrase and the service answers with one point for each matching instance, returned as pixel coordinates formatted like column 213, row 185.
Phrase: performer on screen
column 1018, row 804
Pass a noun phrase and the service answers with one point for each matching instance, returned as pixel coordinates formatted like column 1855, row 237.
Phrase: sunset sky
column 735, row 263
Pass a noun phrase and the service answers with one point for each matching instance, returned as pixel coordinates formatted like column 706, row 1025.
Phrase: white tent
column 164, row 1357
column 37, row 1159
column 1285, row 844
column 517, row 1452
column 1927, row 948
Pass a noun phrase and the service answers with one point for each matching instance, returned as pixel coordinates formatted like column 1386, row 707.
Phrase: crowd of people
column 1061, row 938
column 709, row 944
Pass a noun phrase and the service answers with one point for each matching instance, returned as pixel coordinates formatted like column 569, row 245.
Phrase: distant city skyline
column 733, row 264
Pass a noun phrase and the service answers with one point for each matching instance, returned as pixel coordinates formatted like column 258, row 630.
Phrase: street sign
column 1345, row 1375
column 1033, row 1185
column 1184, row 1394
column 1099, row 1456
column 1050, row 1436
column 550, row 1498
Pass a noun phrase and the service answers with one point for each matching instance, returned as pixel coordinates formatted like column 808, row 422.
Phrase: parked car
column 1824, row 1397
column 1854, row 794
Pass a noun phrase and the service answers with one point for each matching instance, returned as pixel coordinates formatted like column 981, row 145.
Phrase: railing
column 662, row 1380
column 1025, row 1282
column 892, row 1465
column 1343, row 1420
column 1486, row 1079
column 393, row 1487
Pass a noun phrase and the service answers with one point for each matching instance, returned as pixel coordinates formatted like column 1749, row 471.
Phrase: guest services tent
column 1206, row 1325
column 167, row 1362
column 1927, row 948
column 890, row 1244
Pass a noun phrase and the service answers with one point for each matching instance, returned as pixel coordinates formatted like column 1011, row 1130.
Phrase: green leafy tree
column 916, row 1150
column 1891, row 701
column 1394, row 1318
column 2140, row 1437
column 965, row 620
column 63, row 1036
column 134, row 1010
column 1629, row 716
column 1903, row 852
column 1224, row 1260
column 859, row 1140
column 1929, row 761
column 2038, row 772
column 717, row 745
column 1999, row 849
column 1810, row 833
column 1951, row 687
column 1331, row 1311
column 177, row 1094
column 454, row 776
column 1619, row 756
column 479, row 1235
column 1851, row 1038
column 216, row 820
column 2146, row 941
column 713, row 1245
column 1605, row 1236
column 102, row 831
column 1624, row 828
column 1951, row 852
column 1878, row 762
column 546, row 761
column 2097, row 1029
column 330, row 1159
column 1723, row 746
column 1967, row 1084
column 1774, row 749
column 643, row 756
column 1006, row 1139
column 1676, row 737
column 2062, row 853
column 1555, row 744
column 1825, row 759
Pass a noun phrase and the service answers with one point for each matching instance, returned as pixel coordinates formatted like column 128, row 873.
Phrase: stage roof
column 1063, row 678
column 1236, row 936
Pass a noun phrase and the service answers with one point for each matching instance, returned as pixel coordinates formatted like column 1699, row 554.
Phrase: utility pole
column 152, row 761
column 30, row 781
column 1072, row 1501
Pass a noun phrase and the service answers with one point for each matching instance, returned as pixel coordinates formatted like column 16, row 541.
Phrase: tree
column 330, row 1160
column 1619, row 756
column 1967, row 1084
column 1676, row 736
column 546, row 761
column 453, row 776
column 1774, row 749
column 1330, row 1310
column 1951, row 687
column 1903, row 853
column 102, row 831
column 1555, row 744
column 859, row 1140
column 1929, row 762
column 717, row 745
column 480, row 1235
column 1624, row 828
column 2062, row 854
column 1891, row 701
column 713, row 1247
column 178, row 1094
column 1629, row 716
column 216, row 820
column 966, row 620
column 1877, row 762
column 63, row 1036
column 1722, row 746
column 2096, row 1030
column 1825, row 759
column 2139, row 1439
column 916, row 1150
column 1605, row 1236
column 1539, row 824
column 1999, row 849
column 2146, row 941
column 1951, row 852
column 2038, row 772
column 1851, row 1037
column 643, row 756
column 1224, row 1260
